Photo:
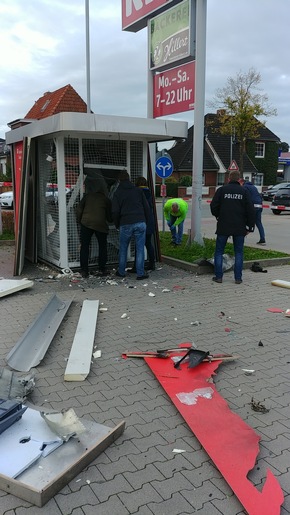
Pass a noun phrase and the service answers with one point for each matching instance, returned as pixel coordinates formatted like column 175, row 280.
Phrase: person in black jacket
column 258, row 205
column 131, row 213
column 141, row 183
column 234, row 210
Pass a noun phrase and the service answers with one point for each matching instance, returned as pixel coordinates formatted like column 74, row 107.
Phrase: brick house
column 260, row 161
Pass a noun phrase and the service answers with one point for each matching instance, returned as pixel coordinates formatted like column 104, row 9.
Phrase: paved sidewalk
column 139, row 473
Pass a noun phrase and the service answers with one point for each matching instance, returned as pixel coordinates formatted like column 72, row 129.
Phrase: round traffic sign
column 164, row 167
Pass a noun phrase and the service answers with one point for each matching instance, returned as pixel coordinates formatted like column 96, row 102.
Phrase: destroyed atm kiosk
column 52, row 158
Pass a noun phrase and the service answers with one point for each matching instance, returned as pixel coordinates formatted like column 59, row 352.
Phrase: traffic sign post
column 163, row 168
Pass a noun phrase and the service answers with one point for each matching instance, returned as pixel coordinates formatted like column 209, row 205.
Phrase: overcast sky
column 43, row 47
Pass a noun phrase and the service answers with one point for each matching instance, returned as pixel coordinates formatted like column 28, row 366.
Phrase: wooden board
column 79, row 362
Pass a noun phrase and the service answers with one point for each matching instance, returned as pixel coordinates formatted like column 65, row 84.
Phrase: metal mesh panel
column 92, row 158
column 48, row 220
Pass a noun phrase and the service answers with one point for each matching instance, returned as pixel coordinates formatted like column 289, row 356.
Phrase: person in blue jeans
column 258, row 205
column 130, row 211
column 234, row 210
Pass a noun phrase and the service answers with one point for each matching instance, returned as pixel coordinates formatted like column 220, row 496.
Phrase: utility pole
column 198, row 138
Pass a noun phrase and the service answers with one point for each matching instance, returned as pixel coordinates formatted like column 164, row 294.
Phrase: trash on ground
column 256, row 267
column 151, row 294
column 195, row 323
column 178, row 451
column 248, row 372
column 275, row 310
column 97, row 354
column 260, row 344
column 258, row 406
column 165, row 290
column 124, row 315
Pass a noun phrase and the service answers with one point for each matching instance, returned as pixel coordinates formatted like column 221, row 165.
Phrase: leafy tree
column 241, row 102
column 284, row 146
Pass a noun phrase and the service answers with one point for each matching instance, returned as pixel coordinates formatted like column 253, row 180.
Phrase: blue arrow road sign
column 164, row 167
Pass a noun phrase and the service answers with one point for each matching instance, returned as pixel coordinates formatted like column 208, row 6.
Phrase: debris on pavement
column 258, row 406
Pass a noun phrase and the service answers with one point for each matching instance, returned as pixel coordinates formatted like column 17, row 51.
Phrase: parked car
column 6, row 199
column 272, row 190
column 281, row 201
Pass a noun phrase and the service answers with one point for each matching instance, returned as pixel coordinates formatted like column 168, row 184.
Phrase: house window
column 220, row 179
column 259, row 149
column 258, row 180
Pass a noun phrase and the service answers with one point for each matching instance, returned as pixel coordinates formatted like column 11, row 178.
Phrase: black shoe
column 261, row 242
column 150, row 267
column 119, row 275
column 238, row 281
column 217, row 279
column 132, row 270
column 141, row 277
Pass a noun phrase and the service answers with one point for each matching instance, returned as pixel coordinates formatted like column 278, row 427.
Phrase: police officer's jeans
column 238, row 242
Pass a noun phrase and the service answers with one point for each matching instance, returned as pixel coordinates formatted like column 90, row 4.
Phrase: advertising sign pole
column 197, row 159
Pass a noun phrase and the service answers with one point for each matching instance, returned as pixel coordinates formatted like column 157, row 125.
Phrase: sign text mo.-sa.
column 135, row 13
column 173, row 90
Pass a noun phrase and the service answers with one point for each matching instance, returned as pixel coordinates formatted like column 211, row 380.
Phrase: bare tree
column 242, row 104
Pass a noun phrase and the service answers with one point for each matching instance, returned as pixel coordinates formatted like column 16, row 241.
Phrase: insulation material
column 229, row 441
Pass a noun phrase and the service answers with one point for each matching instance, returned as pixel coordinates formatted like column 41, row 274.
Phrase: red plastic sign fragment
column 229, row 441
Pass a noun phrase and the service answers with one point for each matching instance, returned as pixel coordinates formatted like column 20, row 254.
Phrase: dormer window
column 259, row 149
column 45, row 105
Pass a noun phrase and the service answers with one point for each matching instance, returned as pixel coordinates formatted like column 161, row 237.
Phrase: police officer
column 233, row 208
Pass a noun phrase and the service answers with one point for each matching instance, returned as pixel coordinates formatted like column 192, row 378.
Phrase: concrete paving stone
column 174, row 463
column 201, row 495
column 152, row 427
column 124, row 448
column 110, row 470
column 77, row 499
column 152, row 455
column 142, row 497
column 176, row 505
column 228, row 506
column 150, row 474
column 280, row 462
column 113, row 506
column 272, row 431
column 279, row 444
column 111, row 487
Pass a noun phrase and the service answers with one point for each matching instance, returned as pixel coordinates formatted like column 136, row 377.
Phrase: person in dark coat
column 130, row 215
column 93, row 213
column 258, row 205
column 234, row 210
column 150, row 226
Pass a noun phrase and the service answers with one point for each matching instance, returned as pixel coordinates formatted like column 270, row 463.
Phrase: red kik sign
column 136, row 12
column 173, row 90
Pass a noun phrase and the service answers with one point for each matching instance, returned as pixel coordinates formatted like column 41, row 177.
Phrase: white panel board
column 79, row 362
column 8, row 286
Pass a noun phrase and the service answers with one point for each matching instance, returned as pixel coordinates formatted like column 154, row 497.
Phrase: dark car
column 281, row 201
column 272, row 190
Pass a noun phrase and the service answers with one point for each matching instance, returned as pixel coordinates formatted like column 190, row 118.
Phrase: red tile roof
column 65, row 99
